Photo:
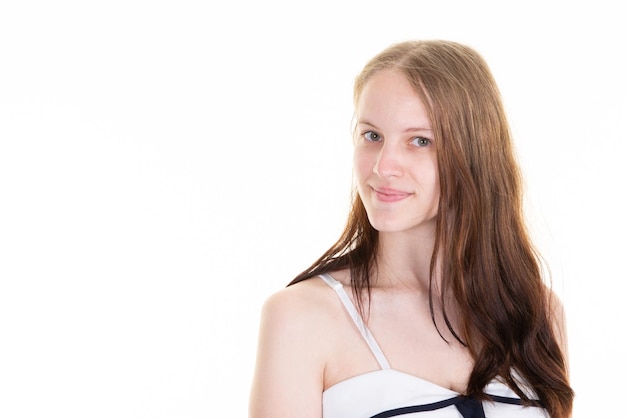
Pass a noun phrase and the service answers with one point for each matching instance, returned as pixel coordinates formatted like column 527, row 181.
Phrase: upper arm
column 288, row 379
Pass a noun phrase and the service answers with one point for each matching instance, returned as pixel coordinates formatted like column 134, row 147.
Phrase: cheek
column 430, row 171
column 435, row 176
column 361, row 164
column 426, row 173
column 436, row 186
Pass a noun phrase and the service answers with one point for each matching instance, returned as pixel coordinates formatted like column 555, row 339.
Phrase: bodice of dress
column 388, row 392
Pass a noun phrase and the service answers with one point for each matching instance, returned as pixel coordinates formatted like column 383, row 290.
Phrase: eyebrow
column 411, row 129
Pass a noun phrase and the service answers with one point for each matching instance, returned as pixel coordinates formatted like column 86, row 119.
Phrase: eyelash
column 420, row 139
column 368, row 136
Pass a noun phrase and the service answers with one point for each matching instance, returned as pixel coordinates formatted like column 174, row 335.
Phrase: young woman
column 431, row 303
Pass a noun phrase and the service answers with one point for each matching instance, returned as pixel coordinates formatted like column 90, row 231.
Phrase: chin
column 386, row 225
column 397, row 225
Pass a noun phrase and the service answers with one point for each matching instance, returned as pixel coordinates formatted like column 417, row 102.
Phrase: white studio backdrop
column 165, row 166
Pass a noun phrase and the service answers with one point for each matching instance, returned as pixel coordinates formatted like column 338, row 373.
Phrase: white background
column 166, row 165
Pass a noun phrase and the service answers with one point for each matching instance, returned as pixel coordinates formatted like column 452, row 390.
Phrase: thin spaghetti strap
column 357, row 319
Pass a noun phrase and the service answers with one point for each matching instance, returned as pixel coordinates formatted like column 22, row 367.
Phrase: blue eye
column 421, row 141
column 371, row 136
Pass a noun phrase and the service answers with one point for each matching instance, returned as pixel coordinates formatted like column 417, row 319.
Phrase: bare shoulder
column 306, row 297
column 299, row 310
column 299, row 315
column 294, row 345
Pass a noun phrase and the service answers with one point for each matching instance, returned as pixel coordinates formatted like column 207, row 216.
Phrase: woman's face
column 395, row 159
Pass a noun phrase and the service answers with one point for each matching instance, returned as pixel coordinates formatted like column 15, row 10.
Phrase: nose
column 388, row 161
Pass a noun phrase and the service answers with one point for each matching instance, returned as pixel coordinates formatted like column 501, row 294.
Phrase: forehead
column 389, row 96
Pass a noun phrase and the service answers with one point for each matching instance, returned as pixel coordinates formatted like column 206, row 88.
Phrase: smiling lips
column 387, row 195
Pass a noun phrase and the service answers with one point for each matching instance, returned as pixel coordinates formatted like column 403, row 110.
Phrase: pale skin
column 307, row 342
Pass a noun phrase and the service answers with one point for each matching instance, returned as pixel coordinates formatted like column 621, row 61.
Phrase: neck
column 404, row 260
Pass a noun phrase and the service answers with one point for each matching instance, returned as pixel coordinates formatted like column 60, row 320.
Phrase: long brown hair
column 482, row 247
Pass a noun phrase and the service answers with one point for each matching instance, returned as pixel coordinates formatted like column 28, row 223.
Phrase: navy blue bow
column 470, row 408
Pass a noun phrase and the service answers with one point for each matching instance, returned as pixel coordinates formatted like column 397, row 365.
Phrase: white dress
column 389, row 393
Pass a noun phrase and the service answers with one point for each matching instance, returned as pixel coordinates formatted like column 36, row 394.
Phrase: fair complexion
column 307, row 342
column 395, row 158
column 395, row 166
column 396, row 173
